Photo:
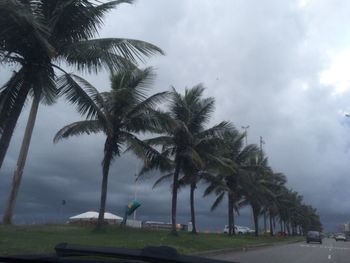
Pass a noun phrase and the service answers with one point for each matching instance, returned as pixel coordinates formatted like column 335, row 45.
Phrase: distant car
column 249, row 230
column 313, row 236
column 240, row 230
column 226, row 229
column 340, row 237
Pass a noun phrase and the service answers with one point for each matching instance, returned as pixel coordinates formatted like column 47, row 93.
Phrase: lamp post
column 261, row 145
column 262, row 142
column 245, row 128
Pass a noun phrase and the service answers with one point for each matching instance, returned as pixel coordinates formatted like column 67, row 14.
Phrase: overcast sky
column 279, row 66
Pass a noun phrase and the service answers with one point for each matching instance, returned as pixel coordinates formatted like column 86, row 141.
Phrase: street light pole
column 261, row 155
column 261, row 145
column 245, row 128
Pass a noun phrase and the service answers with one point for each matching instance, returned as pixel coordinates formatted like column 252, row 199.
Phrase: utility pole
column 261, row 145
column 245, row 128
column 262, row 142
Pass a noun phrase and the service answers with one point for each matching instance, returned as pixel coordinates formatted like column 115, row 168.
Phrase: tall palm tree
column 256, row 187
column 120, row 114
column 38, row 36
column 231, row 168
column 275, row 182
column 186, row 142
column 205, row 143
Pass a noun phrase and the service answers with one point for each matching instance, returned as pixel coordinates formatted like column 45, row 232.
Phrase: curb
column 209, row 253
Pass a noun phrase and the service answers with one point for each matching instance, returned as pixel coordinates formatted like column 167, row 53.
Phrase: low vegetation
column 42, row 239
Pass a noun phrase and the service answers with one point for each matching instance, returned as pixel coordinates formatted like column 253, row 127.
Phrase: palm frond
column 163, row 178
column 217, row 201
column 78, row 128
column 160, row 140
column 217, row 130
column 149, row 103
column 43, row 83
column 247, row 152
column 214, row 183
column 81, row 94
column 201, row 113
column 149, row 120
column 192, row 156
column 151, row 157
column 111, row 53
column 17, row 25
column 132, row 84
column 9, row 92
column 73, row 20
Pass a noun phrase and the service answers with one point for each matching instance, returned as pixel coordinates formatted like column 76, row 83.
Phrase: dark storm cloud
column 262, row 61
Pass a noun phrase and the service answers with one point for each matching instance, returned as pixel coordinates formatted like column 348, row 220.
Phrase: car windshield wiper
column 75, row 253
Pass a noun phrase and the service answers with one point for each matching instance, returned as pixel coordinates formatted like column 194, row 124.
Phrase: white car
column 249, row 230
column 238, row 230
column 340, row 237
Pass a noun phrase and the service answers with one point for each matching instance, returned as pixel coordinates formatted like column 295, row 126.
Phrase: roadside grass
column 16, row 240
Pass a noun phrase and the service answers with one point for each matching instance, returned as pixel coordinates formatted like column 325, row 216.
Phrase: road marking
column 329, row 256
column 330, row 248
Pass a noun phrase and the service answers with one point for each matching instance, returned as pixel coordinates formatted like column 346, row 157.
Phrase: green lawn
column 43, row 238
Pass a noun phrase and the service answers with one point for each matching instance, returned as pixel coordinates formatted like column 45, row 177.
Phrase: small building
column 91, row 217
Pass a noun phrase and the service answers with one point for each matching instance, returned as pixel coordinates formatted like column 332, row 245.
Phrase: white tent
column 92, row 216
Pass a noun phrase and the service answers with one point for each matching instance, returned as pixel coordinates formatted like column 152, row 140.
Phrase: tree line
column 37, row 37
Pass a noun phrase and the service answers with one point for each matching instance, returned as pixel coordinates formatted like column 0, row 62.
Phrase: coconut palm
column 256, row 188
column 37, row 36
column 205, row 143
column 119, row 114
column 231, row 168
column 275, row 182
column 185, row 143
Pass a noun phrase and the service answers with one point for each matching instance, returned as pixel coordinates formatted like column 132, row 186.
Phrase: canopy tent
column 92, row 216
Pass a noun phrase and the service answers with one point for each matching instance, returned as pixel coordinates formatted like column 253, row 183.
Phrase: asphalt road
column 329, row 252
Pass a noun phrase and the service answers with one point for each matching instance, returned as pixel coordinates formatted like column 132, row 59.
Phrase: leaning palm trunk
column 271, row 225
column 231, row 220
column 288, row 228
column 105, row 170
column 281, row 225
column 174, row 196
column 193, row 216
column 10, row 124
column 17, row 177
column 256, row 219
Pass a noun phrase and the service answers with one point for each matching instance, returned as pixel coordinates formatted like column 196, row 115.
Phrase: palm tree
column 275, row 182
column 256, row 188
column 38, row 36
column 205, row 143
column 231, row 169
column 119, row 114
column 185, row 143
column 309, row 219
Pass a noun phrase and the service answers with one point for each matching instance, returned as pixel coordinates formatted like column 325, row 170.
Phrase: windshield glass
column 200, row 125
